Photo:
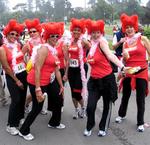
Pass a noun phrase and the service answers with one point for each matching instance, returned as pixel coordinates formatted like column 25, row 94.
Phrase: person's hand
column 65, row 78
column 61, row 90
column 39, row 96
column 20, row 84
column 122, row 40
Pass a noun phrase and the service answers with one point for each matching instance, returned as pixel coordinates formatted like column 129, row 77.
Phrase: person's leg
column 125, row 98
column 141, row 86
column 56, row 102
column 36, row 108
column 93, row 98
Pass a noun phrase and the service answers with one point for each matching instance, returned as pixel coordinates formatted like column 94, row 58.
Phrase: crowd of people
column 48, row 58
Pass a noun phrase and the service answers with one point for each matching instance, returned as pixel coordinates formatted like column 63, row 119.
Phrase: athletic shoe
column 60, row 126
column 101, row 133
column 12, row 130
column 87, row 133
column 44, row 112
column 27, row 137
column 119, row 119
column 76, row 114
column 82, row 113
column 140, row 128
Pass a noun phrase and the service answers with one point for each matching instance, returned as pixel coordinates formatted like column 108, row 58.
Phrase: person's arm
column 146, row 43
column 40, row 59
column 110, row 56
column 86, row 44
column 59, row 79
column 116, row 43
column 6, row 67
column 66, row 57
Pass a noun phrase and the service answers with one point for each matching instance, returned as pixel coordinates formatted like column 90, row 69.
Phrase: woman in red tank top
column 134, row 53
column 45, row 77
column 102, row 80
column 12, row 59
column 76, row 68
column 34, row 30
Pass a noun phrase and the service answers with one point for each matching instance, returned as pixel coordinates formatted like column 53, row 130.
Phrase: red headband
column 35, row 23
column 95, row 26
column 77, row 23
column 129, row 21
column 52, row 28
column 13, row 25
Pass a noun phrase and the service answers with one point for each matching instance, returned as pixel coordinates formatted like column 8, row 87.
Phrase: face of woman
column 76, row 32
column 12, row 36
column 95, row 35
column 33, row 33
column 53, row 38
column 130, row 31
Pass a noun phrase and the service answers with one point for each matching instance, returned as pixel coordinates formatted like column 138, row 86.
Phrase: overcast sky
column 75, row 3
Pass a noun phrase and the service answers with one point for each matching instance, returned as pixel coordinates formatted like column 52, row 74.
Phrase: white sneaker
column 27, row 137
column 60, row 126
column 22, row 121
column 12, row 130
column 101, row 133
column 87, row 133
column 140, row 128
column 44, row 112
column 82, row 113
column 119, row 119
column 76, row 114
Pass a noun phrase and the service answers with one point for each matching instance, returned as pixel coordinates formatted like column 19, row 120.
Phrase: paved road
column 119, row 134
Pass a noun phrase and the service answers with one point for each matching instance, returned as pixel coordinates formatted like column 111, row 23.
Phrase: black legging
column 141, row 86
column 18, row 97
column 36, row 109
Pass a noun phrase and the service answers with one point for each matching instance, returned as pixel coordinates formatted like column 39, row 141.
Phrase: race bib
column 19, row 68
column 52, row 77
column 74, row 63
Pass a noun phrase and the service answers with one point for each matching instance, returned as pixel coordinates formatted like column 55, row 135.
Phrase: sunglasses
column 54, row 36
column 14, row 34
column 32, row 32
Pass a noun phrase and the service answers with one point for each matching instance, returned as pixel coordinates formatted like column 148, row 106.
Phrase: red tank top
column 46, row 71
column 100, row 66
column 137, row 56
column 17, row 64
column 60, row 55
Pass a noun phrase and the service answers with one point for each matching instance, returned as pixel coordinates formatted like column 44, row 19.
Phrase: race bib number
column 74, row 63
column 52, row 77
column 19, row 68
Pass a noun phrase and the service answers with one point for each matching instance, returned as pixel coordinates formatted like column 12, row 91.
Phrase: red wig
column 95, row 26
column 13, row 25
column 52, row 28
column 77, row 23
column 35, row 23
column 129, row 21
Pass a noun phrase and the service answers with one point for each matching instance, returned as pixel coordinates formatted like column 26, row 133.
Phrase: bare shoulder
column 42, row 50
column 144, row 38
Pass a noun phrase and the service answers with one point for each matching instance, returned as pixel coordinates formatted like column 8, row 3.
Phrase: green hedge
column 147, row 32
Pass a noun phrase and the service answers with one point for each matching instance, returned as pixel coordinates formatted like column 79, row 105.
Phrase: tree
column 30, row 5
column 3, row 6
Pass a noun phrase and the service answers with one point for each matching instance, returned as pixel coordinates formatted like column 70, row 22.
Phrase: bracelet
column 38, row 89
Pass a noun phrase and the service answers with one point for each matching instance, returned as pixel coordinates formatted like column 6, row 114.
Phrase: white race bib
column 74, row 63
column 20, row 67
column 52, row 77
